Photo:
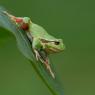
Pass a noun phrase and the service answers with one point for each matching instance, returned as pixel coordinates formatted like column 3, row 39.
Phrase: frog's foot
column 9, row 15
column 49, row 68
column 13, row 18
column 36, row 54
column 6, row 13
column 44, row 59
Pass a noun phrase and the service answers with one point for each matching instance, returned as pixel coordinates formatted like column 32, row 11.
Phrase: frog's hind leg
column 41, row 55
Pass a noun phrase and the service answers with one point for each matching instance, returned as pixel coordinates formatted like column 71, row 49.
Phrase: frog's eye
column 56, row 43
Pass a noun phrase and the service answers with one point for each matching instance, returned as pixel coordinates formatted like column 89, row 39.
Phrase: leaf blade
column 25, row 47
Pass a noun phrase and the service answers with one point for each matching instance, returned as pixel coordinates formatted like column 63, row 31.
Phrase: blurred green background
column 72, row 20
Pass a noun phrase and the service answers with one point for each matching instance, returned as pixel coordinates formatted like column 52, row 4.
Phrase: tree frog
column 42, row 42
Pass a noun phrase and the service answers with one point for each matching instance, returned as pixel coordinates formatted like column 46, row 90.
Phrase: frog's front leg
column 39, row 50
column 36, row 54
column 41, row 55
column 36, row 45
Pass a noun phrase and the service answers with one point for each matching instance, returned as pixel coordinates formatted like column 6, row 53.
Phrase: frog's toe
column 36, row 54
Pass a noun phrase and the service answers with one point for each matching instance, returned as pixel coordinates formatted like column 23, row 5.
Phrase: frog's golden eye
column 56, row 43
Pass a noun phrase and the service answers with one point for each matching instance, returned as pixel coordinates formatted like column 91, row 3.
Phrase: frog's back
column 39, row 32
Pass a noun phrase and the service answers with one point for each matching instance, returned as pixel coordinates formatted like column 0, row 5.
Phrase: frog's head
column 53, row 46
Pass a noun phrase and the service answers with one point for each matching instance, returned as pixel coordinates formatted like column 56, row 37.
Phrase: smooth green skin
column 43, row 40
column 40, row 39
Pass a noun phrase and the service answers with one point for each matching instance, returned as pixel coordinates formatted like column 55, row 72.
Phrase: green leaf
column 25, row 47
